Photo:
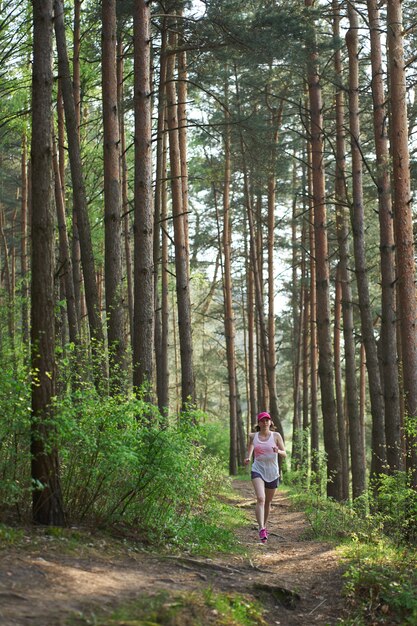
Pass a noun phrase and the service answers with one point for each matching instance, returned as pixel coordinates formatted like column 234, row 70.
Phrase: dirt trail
column 299, row 582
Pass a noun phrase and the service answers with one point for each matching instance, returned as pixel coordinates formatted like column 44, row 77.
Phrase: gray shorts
column 272, row 485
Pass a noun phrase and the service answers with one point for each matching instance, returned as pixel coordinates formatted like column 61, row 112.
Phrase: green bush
column 15, row 411
column 216, row 440
column 121, row 463
column 381, row 583
column 394, row 503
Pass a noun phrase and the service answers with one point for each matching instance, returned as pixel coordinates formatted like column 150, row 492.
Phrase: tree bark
column 314, row 443
column 403, row 223
column 160, row 248
column 8, row 283
column 76, row 86
column 182, row 121
column 378, row 459
column 331, row 440
column 251, row 335
column 47, row 502
column 24, row 243
column 229, row 321
column 65, row 269
column 386, row 229
column 113, row 271
column 124, row 184
column 79, row 194
column 358, row 461
column 338, row 375
column 181, row 250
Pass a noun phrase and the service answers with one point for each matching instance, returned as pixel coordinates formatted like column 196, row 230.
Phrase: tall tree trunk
column 306, row 381
column 47, row 503
column 403, row 222
column 182, row 120
column 263, row 393
column 362, row 394
column 388, row 313
column 65, row 254
column 9, row 285
column 113, row 271
column 276, row 118
column 297, row 305
column 181, row 250
column 76, row 85
column 159, row 251
column 296, row 455
column 313, row 325
column 338, row 375
column 378, row 459
column 143, row 229
column 163, row 394
column 331, row 440
column 79, row 194
column 229, row 320
column 124, row 183
column 269, row 367
column 251, row 336
column 358, row 461
column 24, row 243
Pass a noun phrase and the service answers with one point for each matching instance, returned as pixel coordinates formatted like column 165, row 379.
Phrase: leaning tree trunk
column 331, row 440
column 358, row 461
column 113, row 271
column 47, row 503
column 143, row 229
column 403, row 223
column 378, row 459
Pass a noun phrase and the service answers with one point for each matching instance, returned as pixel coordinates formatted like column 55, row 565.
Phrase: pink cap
column 263, row 415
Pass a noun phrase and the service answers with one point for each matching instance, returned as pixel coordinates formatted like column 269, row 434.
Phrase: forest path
column 297, row 581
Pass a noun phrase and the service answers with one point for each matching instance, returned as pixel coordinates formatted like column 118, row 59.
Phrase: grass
column 198, row 608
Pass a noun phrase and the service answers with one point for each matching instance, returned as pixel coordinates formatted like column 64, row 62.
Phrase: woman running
column 267, row 445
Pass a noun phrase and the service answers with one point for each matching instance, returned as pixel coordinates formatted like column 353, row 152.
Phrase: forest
column 207, row 211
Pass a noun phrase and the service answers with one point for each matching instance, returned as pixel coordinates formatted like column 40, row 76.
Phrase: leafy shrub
column 381, row 583
column 394, row 503
column 121, row 463
column 15, row 411
column 216, row 440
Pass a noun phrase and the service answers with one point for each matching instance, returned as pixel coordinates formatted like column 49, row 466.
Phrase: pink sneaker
column 263, row 535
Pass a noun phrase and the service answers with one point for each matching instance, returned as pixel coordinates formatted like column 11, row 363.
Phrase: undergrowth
column 377, row 539
column 124, row 467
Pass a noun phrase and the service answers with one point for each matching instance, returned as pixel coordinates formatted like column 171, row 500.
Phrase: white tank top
column 266, row 460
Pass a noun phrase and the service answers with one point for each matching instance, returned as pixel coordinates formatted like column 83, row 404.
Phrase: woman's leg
column 259, row 486
column 269, row 494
